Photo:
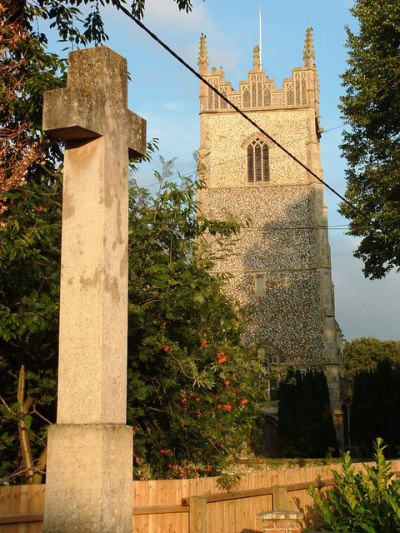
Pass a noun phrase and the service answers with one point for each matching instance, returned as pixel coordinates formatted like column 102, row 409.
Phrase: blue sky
column 166, row 95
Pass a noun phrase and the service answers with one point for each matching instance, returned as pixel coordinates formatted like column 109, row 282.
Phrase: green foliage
column 371, row 109
column 193, row 390
column 365, row 353
column 29, row 294
column 30, row 196
column 29, row 275
column 365, row 501
column 376, row 402
column 137, row 6
column 305, row 421
column 229, row 480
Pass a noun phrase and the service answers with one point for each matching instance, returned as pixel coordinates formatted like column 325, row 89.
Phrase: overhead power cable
column 238, row 110
column 193, row 172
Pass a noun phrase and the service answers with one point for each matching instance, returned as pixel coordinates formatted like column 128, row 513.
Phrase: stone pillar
column 89, row 466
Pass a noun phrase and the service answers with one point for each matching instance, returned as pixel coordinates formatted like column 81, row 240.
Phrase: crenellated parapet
column 259, row 91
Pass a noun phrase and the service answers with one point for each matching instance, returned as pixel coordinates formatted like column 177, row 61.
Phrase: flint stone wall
column 278, row 244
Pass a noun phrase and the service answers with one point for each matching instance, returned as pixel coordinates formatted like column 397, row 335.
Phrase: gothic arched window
column 257, row 162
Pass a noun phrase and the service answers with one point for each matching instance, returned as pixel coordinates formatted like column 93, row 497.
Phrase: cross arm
column 74, row 114
column 70, row 114
column 136, row 135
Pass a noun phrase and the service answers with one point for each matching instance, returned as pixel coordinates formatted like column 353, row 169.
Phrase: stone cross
column 89, row 467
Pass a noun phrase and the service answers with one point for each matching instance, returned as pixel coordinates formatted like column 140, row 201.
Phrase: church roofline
column 258, row 91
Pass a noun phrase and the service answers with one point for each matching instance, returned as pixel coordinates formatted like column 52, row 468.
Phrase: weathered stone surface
column 89, row 479
column 94, row 103
column 91, row 115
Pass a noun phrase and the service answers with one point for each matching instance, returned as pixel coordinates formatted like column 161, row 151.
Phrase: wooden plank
column 24, row 507
column 140, row 498
column 159, row 509
column 237, row 495
column 307, row 484
column 20, row 518
column 230, row 518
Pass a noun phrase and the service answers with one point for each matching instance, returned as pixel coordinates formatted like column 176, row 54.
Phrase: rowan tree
column 371, row 111
column 194, row 390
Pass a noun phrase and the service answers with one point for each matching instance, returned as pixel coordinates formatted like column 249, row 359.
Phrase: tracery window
column 257, row 162
column 246, row 98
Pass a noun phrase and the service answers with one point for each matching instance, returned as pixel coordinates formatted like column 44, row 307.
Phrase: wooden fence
column 189, row 505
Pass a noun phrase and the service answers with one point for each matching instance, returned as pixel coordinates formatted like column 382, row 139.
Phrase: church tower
column 280, row 268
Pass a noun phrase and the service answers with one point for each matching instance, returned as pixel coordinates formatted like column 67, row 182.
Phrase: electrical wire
column 246, row 117
column 193, row 171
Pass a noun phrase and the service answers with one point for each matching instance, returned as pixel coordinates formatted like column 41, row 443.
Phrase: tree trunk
column 25, row 443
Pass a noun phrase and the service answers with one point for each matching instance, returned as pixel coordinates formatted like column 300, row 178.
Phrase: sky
column 163, row 92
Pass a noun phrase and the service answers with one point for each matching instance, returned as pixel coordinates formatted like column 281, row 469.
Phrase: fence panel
column 27, row 500
column 157, row 505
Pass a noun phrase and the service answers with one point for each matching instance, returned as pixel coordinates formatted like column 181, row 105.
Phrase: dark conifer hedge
column 375, row 409
column 305, row 421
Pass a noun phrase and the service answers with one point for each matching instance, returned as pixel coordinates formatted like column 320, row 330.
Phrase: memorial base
column 89, row 479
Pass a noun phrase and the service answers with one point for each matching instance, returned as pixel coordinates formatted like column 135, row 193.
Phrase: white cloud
column 165, row 14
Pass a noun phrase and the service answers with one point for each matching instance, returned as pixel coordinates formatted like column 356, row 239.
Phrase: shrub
column 367, row 501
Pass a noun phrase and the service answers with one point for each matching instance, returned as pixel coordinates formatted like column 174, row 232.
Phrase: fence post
column 280, row 518
column 279, row 498
column 197, row 514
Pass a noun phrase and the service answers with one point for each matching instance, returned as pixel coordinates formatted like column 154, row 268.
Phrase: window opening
column 257, row 162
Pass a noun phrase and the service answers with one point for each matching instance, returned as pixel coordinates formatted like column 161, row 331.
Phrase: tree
column 366, row 352
column 194, row 390
column 66, row 17
column 30, row 228
column 30, row 186
column 137, row 6
column 26, row 71
column 371, row 109
column 375, row 400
